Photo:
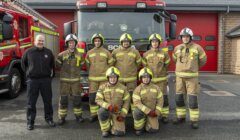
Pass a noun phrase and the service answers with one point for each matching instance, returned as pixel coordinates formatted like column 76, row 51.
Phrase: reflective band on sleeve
column 103, row 54
column 92, row 55
column 126, row 97
column 159, row 79
column 132, row 54
column 130, row 79
column 120, row 90
column 136, row 97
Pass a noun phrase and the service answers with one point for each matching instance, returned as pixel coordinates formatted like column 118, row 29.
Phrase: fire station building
column 215, row 23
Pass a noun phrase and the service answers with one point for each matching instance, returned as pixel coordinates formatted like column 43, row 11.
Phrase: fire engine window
column 210, row 38
column 23, row 27
column 113, row 24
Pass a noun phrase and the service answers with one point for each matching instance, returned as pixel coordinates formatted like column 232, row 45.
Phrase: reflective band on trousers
column 194, row 114
column 77, row 111
column 165, row 111
column 139, row 124
column 181, row 111
column 105, row 125
column 130, row 79
column 94, row 109
column 70, row 79
column 62, row 112
column 187, row 74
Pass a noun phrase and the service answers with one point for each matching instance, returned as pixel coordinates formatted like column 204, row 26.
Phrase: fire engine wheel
column 15, row 83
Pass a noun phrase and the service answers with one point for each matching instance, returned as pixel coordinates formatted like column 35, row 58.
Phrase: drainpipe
column 221, row 71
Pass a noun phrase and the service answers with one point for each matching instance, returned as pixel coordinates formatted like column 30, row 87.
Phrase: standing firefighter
column 127, row 60
column 158, row 60
column 70, row 62
column 98, row 61
column 189, row 57
column 114, row 100
column 148, row 100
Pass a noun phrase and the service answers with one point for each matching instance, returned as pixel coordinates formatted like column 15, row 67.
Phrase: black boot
column 61, row 121
column 194, row 125
column 179, row 120
column 164, row 120
column 118, row 133
column 139, row 132
column 30, row 126
column 93, row 118
column 51, row 123
column 79, row 119
column 105, row 134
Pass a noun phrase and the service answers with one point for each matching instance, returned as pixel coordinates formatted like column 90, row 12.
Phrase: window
column 197, row 38
column 210, row 48
column 23, row 27
column 210, row 38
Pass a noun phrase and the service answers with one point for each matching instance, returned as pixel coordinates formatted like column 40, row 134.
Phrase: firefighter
column 70, row 61
column 148, row 100
column 113, row 99
column 189, row 57
column 98, row 61
column 158, row 60
column 127, row 60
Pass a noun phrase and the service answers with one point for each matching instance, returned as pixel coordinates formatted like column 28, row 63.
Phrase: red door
column 205, row 29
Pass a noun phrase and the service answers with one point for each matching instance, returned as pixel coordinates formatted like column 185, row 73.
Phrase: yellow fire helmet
column 155, row 37
column 145, row 72
column 97, row 35
column 112, row 71
column 125, row 37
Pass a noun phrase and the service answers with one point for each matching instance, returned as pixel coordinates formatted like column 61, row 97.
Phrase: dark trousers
column 34, row 86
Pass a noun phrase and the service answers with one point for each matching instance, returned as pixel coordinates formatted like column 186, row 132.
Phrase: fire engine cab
column 19, row 24
column 111, row 18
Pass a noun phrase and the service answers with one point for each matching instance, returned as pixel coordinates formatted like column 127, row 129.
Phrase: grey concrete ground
column 219, row 104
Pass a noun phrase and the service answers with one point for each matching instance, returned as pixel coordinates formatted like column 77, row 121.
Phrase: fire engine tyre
column 15, row 83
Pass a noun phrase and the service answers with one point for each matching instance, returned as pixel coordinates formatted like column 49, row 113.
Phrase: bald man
column 38, row 64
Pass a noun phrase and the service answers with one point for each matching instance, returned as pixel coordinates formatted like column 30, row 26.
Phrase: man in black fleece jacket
column 38, row 63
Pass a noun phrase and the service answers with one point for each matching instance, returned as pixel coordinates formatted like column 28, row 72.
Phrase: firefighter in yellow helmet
column 127, row 60
column 158, row 60
column 98, row 61
column 70, row 61
column 189, row 57
column 148, row 102
column 113, row 99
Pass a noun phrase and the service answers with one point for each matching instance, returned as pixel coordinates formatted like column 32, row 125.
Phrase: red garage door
column 205, row 29
column 59, row 17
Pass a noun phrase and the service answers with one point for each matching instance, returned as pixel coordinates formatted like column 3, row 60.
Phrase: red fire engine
column 18, row 26
column 140, row 18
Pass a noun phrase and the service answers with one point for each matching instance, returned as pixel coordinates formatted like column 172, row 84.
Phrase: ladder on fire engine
column 20, row 6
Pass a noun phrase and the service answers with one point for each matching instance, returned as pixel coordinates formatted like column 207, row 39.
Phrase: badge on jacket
column 46, row 56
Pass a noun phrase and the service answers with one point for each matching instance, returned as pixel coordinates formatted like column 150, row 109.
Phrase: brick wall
column 227, row 59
